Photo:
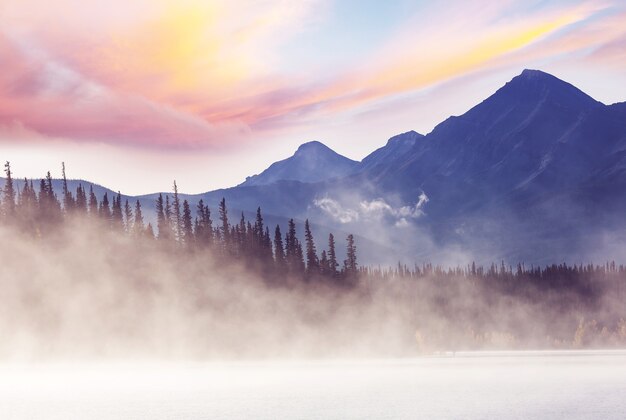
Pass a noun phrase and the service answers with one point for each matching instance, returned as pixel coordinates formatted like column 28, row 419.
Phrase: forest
column 79, row 271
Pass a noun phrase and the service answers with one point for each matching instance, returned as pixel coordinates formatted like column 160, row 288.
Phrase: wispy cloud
column 372, row 210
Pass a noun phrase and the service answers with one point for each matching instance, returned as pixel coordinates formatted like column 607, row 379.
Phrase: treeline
column 587, row 280
column 38, row 211
column 465, row 307
column 503, row 306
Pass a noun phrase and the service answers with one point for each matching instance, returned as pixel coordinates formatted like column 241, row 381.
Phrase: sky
column 133, row 94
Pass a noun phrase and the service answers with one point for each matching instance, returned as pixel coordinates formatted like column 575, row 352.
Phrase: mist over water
column 556, row 385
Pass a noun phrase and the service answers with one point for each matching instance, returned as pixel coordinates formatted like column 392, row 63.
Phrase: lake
column 483, row 385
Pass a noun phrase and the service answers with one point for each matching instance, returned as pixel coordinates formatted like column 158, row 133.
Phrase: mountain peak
column 312, row 162
column 408, row 137
column 313, row 146
column 534, row 74
column 396, row 147
column 538, row 85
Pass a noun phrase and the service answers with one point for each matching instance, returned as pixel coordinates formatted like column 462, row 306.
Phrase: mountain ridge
column 535, row 172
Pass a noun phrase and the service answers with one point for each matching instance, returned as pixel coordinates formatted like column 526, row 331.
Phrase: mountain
column 396, row 147
column 535, row 173
column 523, row 169
column 312, row 162
column 511, row 140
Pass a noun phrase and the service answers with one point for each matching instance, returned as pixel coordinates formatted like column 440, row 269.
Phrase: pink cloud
column 202, row 76
column 50, row 99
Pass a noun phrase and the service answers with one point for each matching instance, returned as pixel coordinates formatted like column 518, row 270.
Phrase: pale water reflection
column 554, row 385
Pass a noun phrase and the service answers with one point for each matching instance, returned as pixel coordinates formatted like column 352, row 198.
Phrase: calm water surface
column 551, row 385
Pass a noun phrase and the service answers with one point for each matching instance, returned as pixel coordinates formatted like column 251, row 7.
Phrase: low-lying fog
column 91, row 293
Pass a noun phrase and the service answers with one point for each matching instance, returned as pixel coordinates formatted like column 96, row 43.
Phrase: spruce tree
column 312, row 262
column 242, row 236
column 27, row 206
column 258, row 232
column 279, row 250
column 42, row 200
column 8, row 199
column 299, row 259
column 324, row 269
column 93, row 202
column 104, row 210
column 332, row 256
column 168, row 218
column 163, row 227
column 128, row 217
column 81, row 199
column 176, row 217
column 138, row 227
column 187, row 226
column 117, row 215
column 68, row 199
column 48, row 203
column 224, row 228
column 291, row 246
column 204, row 231
column 267, row 245
column 350, row 265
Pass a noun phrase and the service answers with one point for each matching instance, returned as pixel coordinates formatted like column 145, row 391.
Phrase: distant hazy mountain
column 312, row 162
column 72, row 184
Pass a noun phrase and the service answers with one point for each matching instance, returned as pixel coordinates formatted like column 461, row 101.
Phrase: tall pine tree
column 312, row 262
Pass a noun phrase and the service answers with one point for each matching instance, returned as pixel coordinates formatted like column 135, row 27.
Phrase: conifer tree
column 224, row 228
column 350, row 265
column 117, row 215
column 128, row 217
column 138, row 227
column 187, row 230
column 204, row 229
column 312, row 262
column 259, row 231
column 267, row 245
column 42, row 200
column 279, row 250
column 332, row 257
column 168, row 218
column 68, row 199
column 93, row 202
column 242, row 236
column 27, row 206
column 49, row 187
column 49, row 206
column 299, row 259
column 324, row 268
column 104, row 210
column 176, row 216
column 8, row 199
column 163, row 227
column 81, row 199
column 291, row 243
